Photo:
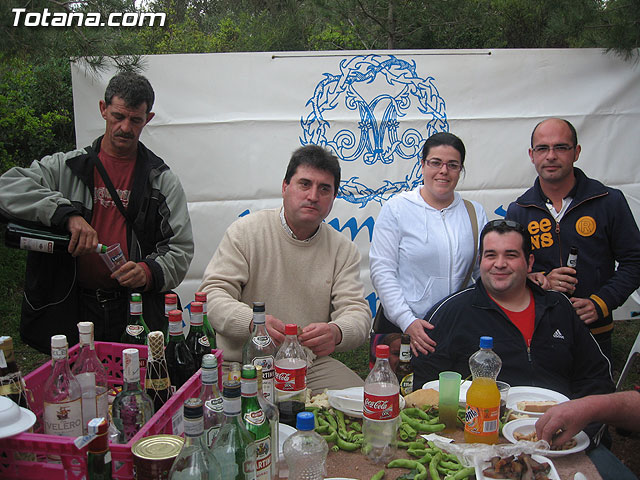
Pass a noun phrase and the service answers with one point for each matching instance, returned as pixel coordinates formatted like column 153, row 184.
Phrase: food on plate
column 533, row 437
column 522, row 467
column 320, row 400
column 511, row 415
column 422, row 397
column 537, row 407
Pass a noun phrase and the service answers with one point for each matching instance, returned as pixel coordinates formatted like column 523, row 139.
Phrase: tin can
column 154, row 455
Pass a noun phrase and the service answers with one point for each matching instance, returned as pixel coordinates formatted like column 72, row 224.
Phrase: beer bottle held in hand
column 381, row 409
column 259, row 349
column 92, row 376
column 572, row 260
column 197, row 340
column 136, row 330
column 180, row 361
column 404, row 371
column 291, row 376
column 483, row 396
column 157, row 382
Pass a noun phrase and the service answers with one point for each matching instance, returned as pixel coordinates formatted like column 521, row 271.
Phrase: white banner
column 228, row 123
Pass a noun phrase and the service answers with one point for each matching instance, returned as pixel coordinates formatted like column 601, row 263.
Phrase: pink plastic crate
column 24, row 456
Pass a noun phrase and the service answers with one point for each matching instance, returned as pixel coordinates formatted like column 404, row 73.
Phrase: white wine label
column 63, row 418
column 35, row 245
column 193, row 427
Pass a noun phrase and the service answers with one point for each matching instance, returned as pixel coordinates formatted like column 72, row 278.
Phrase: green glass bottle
column 208, row 329
column 197, row 340
column 234, row 448
column 98, row 454
column 180, row 362
column 136, row 330
column 256, row 422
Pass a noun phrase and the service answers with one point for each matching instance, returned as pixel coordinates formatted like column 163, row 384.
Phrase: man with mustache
column 566, row 209
column 304, row 270
column 71, row 192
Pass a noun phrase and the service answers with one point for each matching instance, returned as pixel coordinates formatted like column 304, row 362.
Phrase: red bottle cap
column 196, row 307
column 175, row 316
column 291, row 329
column 171, row 299
column 382, row 351
column 201, row 297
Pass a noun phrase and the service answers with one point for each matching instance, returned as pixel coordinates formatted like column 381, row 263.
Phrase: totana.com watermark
column 79, row 19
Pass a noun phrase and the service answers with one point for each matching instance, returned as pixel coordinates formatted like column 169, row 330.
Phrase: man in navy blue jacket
column 566, row 209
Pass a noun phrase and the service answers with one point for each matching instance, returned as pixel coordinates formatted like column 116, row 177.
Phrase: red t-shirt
column 107, row 220
column 524, row 320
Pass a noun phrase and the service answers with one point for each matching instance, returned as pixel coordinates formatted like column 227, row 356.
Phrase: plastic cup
column 114, row 257
column 449, row 389
column 503, row 388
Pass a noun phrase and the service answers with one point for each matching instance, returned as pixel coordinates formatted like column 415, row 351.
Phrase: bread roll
column 537, row 407
column 421, row 397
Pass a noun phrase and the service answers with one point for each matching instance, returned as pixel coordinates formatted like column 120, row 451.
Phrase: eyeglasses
column 437, row 164
column 544, row 149
column 502, row 223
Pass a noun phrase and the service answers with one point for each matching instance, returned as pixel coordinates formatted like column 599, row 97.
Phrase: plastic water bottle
column 381, row 409
column 305, row 451
column 483, row 398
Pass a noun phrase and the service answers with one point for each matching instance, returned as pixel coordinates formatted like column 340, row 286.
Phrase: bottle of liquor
column 11, row 382
column 404, row 370
column 62, row 394
column 259, row 349
column 273, row 417
column 197, row 340
column 92, row 376
column 235, row 371
column 208, row 329
column 211, row 398
column 36, row 240
column 291, row 376
column 136, row 330
column 98, row 454
column 256, row 422
column 234, row 448
column 157, row 381
column 194, row 460
column 180, row 361
column 132, row 407
column 170, row 303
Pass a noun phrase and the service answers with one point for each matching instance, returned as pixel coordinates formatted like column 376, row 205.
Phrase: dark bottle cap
column 258, row 307
column 231, row 389
column 193, row 408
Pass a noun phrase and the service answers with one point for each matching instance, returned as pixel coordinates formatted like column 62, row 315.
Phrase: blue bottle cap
column 486, row 342
column 305, row 421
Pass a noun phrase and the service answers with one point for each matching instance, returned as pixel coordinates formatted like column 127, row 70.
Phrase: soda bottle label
column 291, row 380
column 481, row 421
column 381, row 407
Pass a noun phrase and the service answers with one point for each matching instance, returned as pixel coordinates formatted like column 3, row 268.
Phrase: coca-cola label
column 291, row 380
column 381, row 407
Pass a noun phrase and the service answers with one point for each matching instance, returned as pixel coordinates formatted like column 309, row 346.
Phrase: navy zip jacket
column 563, row 355
column 600, row 223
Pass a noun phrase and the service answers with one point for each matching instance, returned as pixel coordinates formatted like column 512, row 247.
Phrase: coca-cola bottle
column 291, row 376
column 381, row 409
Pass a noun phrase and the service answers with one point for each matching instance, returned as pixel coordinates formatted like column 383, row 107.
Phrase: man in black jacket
column 536, row 333
column 566, row 209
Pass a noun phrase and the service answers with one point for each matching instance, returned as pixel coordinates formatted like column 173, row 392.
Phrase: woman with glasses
column 424, row 246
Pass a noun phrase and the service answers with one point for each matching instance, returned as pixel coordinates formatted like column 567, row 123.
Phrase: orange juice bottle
column 483, row 398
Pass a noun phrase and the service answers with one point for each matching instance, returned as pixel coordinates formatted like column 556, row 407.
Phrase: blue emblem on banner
column 382, row 89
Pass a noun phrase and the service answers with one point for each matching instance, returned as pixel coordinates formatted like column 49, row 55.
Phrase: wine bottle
column 208, row 329
column 170, row 303
column 136, row 330
column 132, row 407
column 194, row 461
column 11, row 382
column 180, row 362
column 92, row 376
column 98, row 453
column 211, row 398
column 62, row 394
column 234, row 448
column 259, row 349
column 36, row 240
column 157, row 381
column 197, row 340
column 256, row 422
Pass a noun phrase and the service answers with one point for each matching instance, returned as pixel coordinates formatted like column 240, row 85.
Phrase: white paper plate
column 464, row 386
column 527, row 425
column 350, row 401
column 284, row 432
column 553, row 473
column 532, row 394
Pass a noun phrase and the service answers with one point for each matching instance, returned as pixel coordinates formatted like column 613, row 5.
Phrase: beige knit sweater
column 300, row 282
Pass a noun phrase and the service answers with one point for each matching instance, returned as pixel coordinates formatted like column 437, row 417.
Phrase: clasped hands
column 321, row 338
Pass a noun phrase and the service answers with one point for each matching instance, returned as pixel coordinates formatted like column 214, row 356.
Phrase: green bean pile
column 431, row 462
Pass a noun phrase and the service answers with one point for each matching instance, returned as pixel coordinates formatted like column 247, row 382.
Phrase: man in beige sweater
column 305, row 271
